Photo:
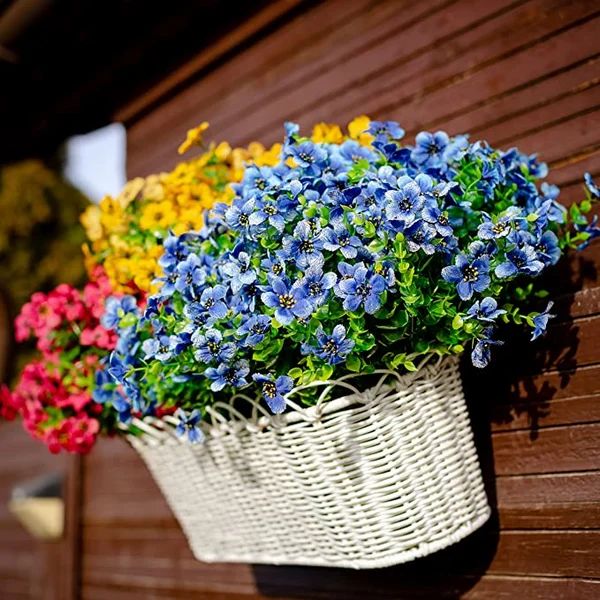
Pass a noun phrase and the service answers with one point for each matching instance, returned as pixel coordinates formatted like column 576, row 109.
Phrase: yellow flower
column 328, row 133
column 222, row 151
column 265, row 158
column 90, row 219
column 357, row 130
column 193, row 138
column 112, row 216
column 158, row 215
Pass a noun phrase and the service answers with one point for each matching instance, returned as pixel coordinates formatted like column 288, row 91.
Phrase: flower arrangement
column 54, row 394
column 352, row 253
column 260, row 271
column 126, row 232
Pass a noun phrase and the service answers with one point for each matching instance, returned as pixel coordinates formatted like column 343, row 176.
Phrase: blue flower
column 175, row 250
column 228, row 374
column 161, row 347
column 240, row 271
column 339, row 238
column 469, row 275
column 188, row 424
column 190, row 273
column 307, row 154
column 486, row 310
column 548, row 249
column 210, row 347
column 434, row 216
column 362, row 288
column 501, row 227
column 237, row 216
column 274, row 212
column 332, row 348
column 419, row 236
column 591, row 186
column 481, row 354
column 274, row 390
column 212, row 301
column 540, row 322
column 198, row 316
column 289, row 301
column 429, row 148
column 316, row 284
column 384, row 131
column 253, row 329
column 304, row 247
column 116, row 308
column 402, row 205
column 520, row 260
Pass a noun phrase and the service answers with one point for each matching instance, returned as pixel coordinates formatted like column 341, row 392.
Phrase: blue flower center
column 315, row 289
column 363, row 290
column 306, row 246
column 269, row 389
column 287, row 301
column 330, row 347
column 470, row 273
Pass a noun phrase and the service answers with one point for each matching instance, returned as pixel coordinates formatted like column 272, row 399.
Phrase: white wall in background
column 95, row 162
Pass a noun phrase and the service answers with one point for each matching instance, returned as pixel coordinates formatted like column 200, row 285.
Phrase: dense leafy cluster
column 346, row 256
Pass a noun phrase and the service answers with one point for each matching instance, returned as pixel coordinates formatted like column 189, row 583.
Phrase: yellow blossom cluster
column 126, row 232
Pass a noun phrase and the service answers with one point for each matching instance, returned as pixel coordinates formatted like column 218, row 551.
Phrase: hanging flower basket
column 371, row 479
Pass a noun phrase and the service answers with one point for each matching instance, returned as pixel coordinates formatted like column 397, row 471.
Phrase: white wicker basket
column 373, row 479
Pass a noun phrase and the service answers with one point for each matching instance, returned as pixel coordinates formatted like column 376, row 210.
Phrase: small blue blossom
column 209, row 346
column 482, row 353
column 307, row 155
column 520, row 260
column 115, row 309
column 289, row 301
column 161, row 347
column 239, row 271
column 339, row 238
column 228, row 374
column 419, row 235
column 316, row 285
column 485, row 310
column 434, row 216
column 383, row 131
column 304, row 247
column 188, row 425
column 332, row 348
column 274, row 390
column 253, row 329
column 492, row 229
column 403, row 205
column 429, row 148
column 540, row 322
column 362, row 288
column 468, row 275
column 189, row 273
column 212, row 301
column 547, row 248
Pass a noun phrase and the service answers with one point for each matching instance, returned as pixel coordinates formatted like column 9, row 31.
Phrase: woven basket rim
column 162, row 429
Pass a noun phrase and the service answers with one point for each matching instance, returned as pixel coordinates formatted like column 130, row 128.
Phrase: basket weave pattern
column 373, row 479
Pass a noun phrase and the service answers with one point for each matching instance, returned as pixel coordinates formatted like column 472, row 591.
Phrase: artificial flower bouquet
column 273, row 317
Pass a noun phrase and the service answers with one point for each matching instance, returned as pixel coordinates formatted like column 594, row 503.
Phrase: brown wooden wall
column 520, row 72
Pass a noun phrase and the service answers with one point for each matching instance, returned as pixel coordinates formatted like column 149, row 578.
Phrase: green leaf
column 353, row 363
column 457, row 322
